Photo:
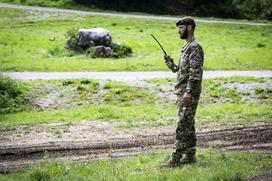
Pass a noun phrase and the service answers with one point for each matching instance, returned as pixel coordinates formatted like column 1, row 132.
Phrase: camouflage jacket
column 190, row 68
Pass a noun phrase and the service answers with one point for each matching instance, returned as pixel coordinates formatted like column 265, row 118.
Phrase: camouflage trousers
column 185, row 131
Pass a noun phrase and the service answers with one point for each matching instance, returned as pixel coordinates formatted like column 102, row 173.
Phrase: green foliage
column 71, row 42
column 253, row 9
column 96, row 54
column 120, row 51
column 263, row 93
column 128, row 6
column 246, row 9
column 83, row 86
column 11, row 95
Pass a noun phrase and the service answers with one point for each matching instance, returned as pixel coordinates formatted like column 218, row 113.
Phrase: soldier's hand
column 169, row 64
column 168, row 61
column 186, row 98
column 167, row 58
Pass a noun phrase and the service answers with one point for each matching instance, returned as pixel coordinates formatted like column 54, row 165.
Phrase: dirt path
column 123, row 15
column 93, row 140
column 127, row 76
column 265, row 176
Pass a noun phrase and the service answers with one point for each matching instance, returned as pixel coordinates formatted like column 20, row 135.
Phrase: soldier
column 188, row 88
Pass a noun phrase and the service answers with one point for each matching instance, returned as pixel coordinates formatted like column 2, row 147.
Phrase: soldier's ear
column 190, row 27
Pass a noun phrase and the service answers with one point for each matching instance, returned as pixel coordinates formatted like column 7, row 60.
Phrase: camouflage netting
column 96, row 42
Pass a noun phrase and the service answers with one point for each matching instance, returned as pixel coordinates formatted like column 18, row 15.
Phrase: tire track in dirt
column 16, row 157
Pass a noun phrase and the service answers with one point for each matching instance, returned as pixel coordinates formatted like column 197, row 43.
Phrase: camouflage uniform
column 189, row 78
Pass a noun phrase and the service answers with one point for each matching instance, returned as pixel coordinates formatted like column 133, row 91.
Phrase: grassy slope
column 211, row 165
column 25, row 43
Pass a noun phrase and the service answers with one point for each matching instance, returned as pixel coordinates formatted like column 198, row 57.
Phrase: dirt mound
column 15, row 156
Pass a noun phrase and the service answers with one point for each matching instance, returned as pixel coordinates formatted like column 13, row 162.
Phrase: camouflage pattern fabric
column 189, row 78
column 189, row 75
column 185, row 131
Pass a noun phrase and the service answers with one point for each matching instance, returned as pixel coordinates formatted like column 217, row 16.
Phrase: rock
column 103, row 50
column 93, row 37
column 96, row 42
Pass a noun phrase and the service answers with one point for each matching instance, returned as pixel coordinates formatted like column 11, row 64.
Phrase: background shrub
column 120, row 51
column 254, row 9
column 12, row 97
column 71, row 43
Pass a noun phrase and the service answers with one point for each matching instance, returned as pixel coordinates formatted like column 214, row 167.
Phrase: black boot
column 189, row 157
column 173, row 162
column 175, row 159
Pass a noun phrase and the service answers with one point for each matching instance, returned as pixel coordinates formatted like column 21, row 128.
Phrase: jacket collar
column 187, row 44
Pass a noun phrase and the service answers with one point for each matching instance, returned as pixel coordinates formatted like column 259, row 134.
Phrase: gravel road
column 126, row 76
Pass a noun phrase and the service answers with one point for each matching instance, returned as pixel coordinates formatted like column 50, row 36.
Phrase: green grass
column 211, row 165
column 32, row 41
column 90, row 92
column 114, row 101
column 148, row 115
column 234, row 113
column 132, row 115
column 121, row 94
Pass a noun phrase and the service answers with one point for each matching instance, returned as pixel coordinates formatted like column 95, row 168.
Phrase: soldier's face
column 183, row 31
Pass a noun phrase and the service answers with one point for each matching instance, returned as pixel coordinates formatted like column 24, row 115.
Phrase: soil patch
column 95, row 140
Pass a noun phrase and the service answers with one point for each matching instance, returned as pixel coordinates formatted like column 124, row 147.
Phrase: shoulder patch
column 194, row 63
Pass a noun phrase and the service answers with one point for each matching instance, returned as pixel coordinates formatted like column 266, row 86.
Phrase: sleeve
column 195, row 70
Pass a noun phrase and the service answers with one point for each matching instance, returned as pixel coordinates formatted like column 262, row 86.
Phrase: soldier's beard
column 185, row 34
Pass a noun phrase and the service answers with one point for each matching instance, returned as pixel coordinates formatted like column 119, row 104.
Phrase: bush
column 254, row 9
column 95, row 54
column 11, row 95
column 149, row 6
column 120, row 51
column 71, row 43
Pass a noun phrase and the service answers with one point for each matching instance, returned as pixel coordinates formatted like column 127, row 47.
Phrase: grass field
column 211, row 165
column 150, row 115
column 115, row 101
column 34, row 41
